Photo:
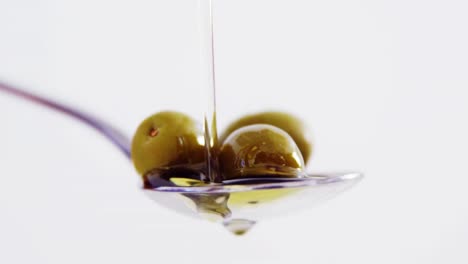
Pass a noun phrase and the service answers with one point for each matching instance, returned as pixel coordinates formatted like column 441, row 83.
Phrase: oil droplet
column 239, row 226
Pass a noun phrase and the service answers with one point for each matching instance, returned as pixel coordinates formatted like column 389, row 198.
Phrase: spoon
column 237, row 204
column 116, row 137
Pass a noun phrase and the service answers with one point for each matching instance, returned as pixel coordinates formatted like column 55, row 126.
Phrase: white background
column 382, row 84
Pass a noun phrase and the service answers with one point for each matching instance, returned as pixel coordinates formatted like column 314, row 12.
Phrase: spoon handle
column 114, row 135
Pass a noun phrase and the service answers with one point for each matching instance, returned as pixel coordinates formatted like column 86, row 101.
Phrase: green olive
column 289, row 123
column 165, row 140
column 260, row 151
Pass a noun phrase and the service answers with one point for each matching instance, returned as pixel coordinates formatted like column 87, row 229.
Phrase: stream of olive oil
column 208, row 87
column 212, row 205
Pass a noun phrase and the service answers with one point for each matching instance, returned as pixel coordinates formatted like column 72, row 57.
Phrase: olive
column 288, row 122
column 166, row 140
column 260, row 151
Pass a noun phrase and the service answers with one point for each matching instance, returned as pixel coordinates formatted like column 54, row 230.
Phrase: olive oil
column 218, row 207
column 208, row 87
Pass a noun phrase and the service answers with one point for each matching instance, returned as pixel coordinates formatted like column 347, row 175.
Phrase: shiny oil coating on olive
column 260, row 150
column 287, row 122
column 167, row 139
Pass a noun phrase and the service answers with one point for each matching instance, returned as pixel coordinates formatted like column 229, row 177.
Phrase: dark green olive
column 289, row 123
column 165, row 140
column 260, row 151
